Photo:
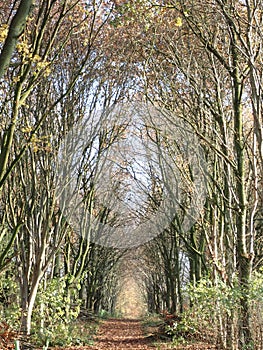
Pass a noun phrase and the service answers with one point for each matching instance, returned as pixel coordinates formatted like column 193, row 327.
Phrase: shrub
column 215, row 311
column 54, row 312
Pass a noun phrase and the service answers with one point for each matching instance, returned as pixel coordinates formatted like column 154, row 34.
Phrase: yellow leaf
column 178, row 22
column 3, row 32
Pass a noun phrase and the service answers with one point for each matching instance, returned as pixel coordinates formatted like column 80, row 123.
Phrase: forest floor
column 120, row 334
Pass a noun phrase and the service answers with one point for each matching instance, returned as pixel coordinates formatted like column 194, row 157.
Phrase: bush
column 10, row 311
column 180, row 329
column 215, row 311
column 55, row 310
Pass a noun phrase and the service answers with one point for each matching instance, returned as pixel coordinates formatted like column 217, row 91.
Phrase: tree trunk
column 244, row 258
column 31, row 303
column 28, row 302
column 15, row 30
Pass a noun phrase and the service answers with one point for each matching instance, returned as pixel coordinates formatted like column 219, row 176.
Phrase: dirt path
column 121, row 334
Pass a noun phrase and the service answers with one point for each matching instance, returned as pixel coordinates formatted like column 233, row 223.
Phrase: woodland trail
column 120, row 334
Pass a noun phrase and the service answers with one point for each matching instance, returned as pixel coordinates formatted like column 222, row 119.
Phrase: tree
column 41, row 110
column 194, row 61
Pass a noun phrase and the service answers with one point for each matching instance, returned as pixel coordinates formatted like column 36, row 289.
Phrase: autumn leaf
column 3, row 32
column 178, row 22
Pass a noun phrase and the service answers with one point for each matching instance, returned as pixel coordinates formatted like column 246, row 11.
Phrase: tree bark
column 15, row 30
